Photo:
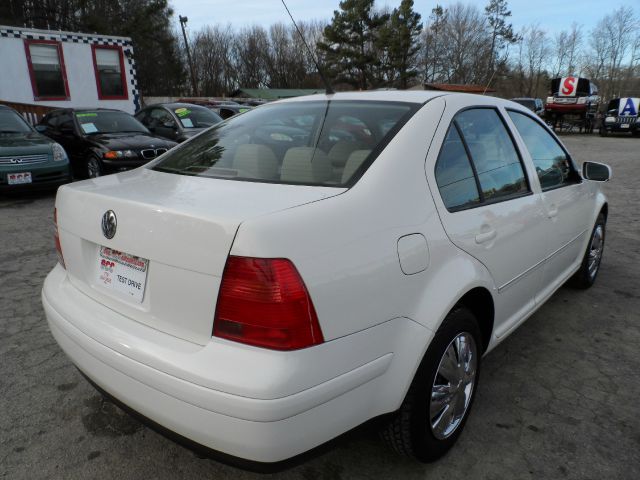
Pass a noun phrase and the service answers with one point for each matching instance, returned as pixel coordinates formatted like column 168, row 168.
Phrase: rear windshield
column 192, row 116
column 327, row 143
column 109, row 122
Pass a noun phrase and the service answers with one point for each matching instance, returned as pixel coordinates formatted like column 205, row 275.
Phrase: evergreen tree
column 497, row 12
column 405, row 28
column 349, row 41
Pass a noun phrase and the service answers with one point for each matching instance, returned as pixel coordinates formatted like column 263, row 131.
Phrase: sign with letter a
column 568, row 86
column 628, row 107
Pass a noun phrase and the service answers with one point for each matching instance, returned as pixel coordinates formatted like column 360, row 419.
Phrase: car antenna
column 328, row 89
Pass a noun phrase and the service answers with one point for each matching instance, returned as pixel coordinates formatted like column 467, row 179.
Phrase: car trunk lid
column 183, row 226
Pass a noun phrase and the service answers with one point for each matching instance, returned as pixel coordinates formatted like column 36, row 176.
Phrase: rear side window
column 554, row 167
column 454, row 174
column 479, row 147
column 325, row 143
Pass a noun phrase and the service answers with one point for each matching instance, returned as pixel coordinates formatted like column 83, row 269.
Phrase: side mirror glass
column 598, row 172
column 41, row 128
column 170, row 125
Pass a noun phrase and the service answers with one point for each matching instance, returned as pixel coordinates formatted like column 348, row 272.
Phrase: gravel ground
column 558, row 399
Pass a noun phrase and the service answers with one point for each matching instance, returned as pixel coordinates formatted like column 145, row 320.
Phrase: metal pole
column 183, row 21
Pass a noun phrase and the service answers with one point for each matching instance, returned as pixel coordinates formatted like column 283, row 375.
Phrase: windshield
column 109, row 122
column 11, row 122
column 193, row 116
column 328, row 143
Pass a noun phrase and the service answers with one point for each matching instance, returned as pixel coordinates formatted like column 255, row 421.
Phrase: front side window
column 324, row 143
column 161, row 118
column 46, row 67
column 109, row 68
column 553, row 166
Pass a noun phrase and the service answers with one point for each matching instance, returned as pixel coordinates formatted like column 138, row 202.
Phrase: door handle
column 486, row 236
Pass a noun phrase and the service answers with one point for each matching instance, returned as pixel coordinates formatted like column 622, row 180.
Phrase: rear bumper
column 306, row 397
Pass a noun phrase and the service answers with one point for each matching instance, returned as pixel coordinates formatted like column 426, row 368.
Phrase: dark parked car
column 621, row 116
column 100, row 141
column 224, row 108
column 534, row 104
column 177, row 121
column 27, row 158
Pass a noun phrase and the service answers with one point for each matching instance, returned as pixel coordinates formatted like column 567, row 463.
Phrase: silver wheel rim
column 595, row 250
column 453, row 385
column 93, row 168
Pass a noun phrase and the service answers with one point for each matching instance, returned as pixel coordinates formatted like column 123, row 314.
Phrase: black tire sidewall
column 100, row 165
column 426, row 447
column 582, row 279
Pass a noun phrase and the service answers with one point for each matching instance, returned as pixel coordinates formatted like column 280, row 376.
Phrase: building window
column 108, row 62
column 46, row 69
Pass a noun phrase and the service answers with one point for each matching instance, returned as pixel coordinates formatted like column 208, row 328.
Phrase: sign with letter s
column 568, row 86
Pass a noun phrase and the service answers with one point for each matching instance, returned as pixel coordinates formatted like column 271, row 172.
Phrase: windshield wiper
column 11, row 131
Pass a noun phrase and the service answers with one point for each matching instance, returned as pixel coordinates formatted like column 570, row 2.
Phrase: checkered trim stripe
column 125, row 43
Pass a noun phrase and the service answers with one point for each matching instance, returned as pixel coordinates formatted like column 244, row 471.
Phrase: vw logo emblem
column 109, row 224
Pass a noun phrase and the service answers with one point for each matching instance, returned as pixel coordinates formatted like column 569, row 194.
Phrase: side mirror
column 598, row 172
column 41, row 128
column 170, row 125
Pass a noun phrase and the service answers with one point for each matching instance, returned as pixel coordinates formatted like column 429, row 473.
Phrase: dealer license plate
column 124, row 273
column 624, row 125
column 19, row 178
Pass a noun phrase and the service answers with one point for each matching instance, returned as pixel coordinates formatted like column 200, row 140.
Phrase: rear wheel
column 437, row 405
column 95, row 168
column 586, row 276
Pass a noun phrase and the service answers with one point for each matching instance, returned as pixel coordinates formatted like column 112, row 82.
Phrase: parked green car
column 28, row 159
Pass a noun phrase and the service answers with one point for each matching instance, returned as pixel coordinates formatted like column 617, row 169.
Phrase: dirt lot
column 558, row 399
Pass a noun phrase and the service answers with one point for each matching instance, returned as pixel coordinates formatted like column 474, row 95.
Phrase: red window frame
column 32, row 75
column 123, row 77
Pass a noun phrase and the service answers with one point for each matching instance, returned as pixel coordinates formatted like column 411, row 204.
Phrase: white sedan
column 317, row 262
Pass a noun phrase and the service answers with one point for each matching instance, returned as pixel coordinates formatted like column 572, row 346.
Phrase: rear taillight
column 56, row 238
column 264, row 302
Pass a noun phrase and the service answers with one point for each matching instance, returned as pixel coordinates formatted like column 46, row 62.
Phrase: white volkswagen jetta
column 300, row 269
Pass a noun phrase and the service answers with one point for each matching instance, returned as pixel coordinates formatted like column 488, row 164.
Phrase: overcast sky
column 552, row 15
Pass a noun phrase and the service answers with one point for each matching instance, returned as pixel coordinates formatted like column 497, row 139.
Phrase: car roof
column 85, row 109
column 173, row 105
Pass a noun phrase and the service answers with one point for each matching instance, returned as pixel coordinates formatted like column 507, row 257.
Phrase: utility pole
column 183, row 22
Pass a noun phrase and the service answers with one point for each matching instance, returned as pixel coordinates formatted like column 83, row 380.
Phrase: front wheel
column 437, row 405
column 586, row 276
column 95, row 168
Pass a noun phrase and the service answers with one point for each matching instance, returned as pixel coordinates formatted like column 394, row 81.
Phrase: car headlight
column 582, row 100
column 549, row 99
column 610, row 120
column 114, row 154
column 58, row 152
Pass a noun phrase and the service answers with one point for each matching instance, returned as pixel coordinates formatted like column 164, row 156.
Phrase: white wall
column 15, row 83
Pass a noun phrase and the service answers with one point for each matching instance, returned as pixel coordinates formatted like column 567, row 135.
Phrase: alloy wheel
column 453, row 385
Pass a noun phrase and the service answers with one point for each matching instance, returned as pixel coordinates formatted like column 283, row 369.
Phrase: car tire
column 417, row 429
column 95, row 167
column 585, row 277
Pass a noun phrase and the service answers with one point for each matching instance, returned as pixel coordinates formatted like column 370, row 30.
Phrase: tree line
column 361, row 47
